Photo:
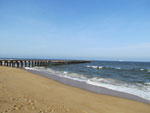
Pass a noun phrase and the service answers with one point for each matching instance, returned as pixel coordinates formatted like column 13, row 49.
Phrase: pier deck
column 31, row 63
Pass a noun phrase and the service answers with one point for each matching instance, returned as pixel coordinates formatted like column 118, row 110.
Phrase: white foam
column 88, row 66
column 65, row 72
column 100, row 67
column 29, row 68
column 131, row 89
column 92, row 66
column 148, row 83
column 142, row 69
column 95, row 67
column 118, row 68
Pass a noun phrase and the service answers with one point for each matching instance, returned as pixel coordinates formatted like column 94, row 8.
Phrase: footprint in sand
column 46, row 111
column 58, row 108
column 23, row 103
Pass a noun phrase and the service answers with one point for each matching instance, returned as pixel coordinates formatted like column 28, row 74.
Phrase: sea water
column 128, row 77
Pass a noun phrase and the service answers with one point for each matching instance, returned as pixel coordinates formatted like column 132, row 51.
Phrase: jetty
column 36, row 62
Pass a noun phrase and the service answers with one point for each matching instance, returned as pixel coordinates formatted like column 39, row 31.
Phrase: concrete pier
column 32, row 63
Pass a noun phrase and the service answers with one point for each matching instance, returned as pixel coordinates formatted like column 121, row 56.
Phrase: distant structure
column 32, row 63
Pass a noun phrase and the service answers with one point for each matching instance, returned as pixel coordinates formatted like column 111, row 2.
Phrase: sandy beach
column 25, row 92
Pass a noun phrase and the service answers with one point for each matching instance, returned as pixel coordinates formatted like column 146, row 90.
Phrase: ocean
column 128, row 77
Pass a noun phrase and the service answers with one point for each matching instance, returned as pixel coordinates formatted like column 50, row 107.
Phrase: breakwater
column 32, row 63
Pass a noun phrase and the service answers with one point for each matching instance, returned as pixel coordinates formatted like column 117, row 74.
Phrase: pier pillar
column 17, row 63
column 11, row 64
column 35, row 63
column 25, row 63
column 48, row 62
column 45, row 63
column 39, row 63
column 8, row 63
column 0, row 63
column 14, row 64
column 29, row 63
column 21, row 63
column 5, row 63
column 42, row 63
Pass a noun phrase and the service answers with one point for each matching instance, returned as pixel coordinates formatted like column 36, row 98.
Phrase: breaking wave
column 118, row 68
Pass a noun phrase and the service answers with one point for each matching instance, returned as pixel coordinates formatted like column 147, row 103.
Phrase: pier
column 32, row 63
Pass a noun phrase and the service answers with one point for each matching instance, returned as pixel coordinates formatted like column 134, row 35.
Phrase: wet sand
column 25, row 92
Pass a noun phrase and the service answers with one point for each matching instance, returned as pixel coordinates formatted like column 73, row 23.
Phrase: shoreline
column 90, row 87
column 22, row 92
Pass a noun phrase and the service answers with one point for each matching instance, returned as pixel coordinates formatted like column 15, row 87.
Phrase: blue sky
column 80, row 29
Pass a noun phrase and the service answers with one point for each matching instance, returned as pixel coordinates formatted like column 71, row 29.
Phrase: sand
column 24, row 92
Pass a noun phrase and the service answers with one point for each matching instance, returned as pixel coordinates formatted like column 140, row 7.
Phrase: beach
column 25, row 92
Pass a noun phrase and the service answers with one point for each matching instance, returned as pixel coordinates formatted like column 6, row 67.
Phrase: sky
column 75, row 29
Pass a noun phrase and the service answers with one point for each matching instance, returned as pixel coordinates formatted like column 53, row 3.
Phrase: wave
column 148, row 83
column 140, row 70
column 146, row 70
column 141, row 90
column 119, row 68
column 102, row 67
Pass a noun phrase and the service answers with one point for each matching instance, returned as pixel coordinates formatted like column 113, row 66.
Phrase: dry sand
column 24, row 92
